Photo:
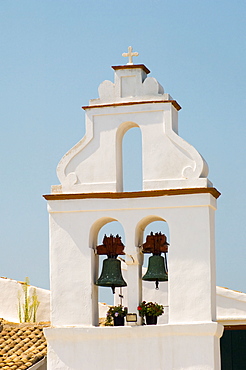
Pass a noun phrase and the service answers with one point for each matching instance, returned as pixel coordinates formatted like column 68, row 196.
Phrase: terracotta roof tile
column 21, row 345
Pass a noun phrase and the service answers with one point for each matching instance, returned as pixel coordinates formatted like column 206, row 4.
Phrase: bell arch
column 149, row 224
column 129, row 137
column 95, row 228
column 103, row 226
column 155, row 224
column 143, row 224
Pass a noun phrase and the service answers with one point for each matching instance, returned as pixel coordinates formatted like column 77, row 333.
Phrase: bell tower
column 176, row 189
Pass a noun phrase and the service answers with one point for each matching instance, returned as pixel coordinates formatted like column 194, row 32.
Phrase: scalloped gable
column 94, row 164
column 130, row 82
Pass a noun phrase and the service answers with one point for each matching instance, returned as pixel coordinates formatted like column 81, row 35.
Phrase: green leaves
column 150, row 309
column 115, row 311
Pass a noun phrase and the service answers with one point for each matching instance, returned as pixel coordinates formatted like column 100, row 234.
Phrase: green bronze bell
column 156, row 270
column 111, row 274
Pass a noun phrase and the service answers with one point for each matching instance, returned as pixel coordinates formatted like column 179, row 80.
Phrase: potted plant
column 116, row 314
column 150, row 311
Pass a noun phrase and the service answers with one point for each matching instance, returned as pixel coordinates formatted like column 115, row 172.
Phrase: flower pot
column 119, row 321
column 151, row 320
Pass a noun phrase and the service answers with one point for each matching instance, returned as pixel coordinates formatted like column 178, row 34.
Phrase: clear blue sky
column 54, row 55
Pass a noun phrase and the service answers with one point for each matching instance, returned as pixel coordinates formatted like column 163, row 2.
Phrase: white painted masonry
column 10, row 291
column 73, row 247
column 117, row 348
column 231, row 305
column 134, row 100
column 177, row 191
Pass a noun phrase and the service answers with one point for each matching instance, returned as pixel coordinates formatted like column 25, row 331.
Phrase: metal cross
column 130, row 54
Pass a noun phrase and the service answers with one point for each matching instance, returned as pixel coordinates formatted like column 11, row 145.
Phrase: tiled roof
column 21, row 345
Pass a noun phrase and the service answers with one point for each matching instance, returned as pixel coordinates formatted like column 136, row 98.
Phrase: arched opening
column 129, row 157
column 132, row 160
column 112, row 227
column 155, row 225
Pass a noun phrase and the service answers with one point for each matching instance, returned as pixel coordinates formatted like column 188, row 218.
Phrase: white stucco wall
column 191, row 296
column 231, row 306
column 9, row 292
column 159, row 347
column 191, row 272
column 134, row 100
column 190, row 337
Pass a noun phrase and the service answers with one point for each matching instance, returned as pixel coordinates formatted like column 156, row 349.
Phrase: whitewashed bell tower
column 176, row 190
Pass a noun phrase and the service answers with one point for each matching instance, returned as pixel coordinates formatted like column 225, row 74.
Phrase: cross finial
column 130, row 54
